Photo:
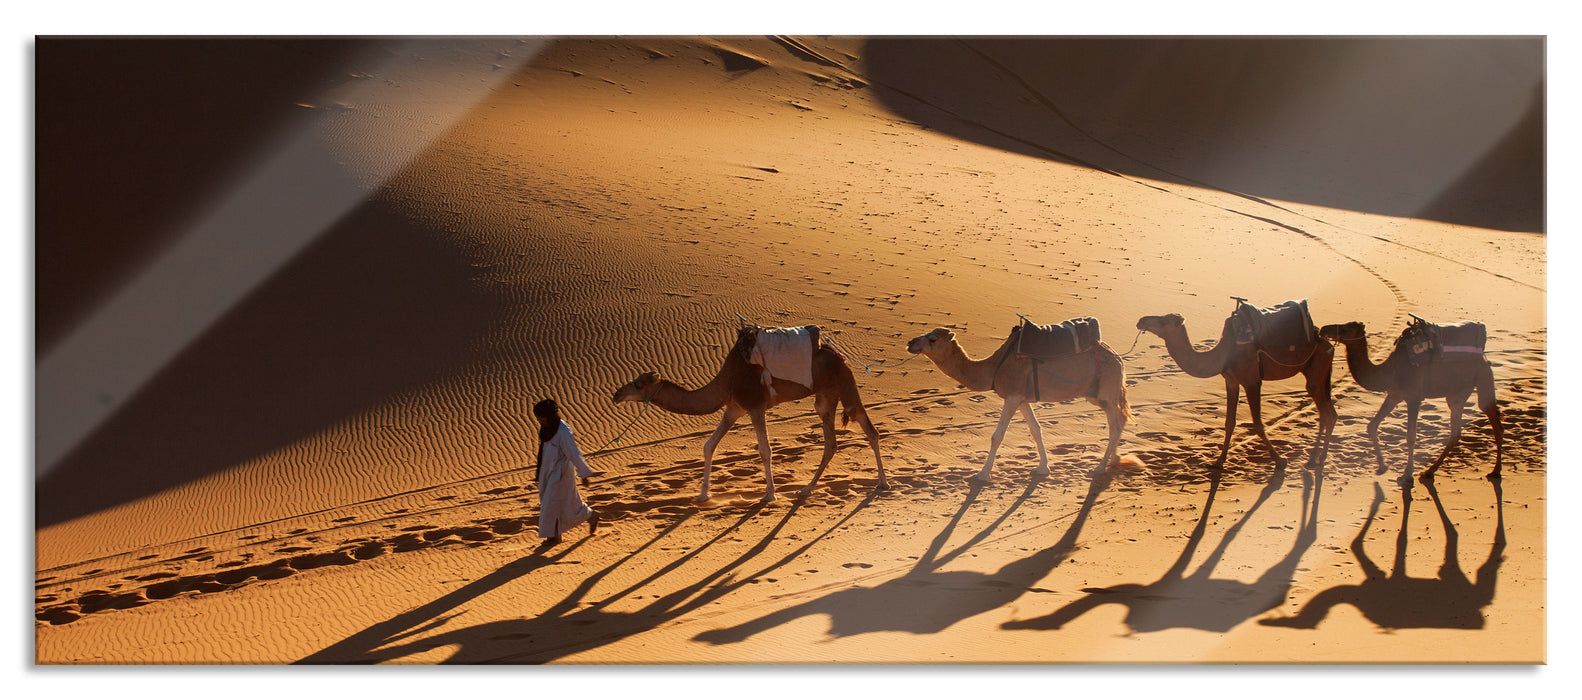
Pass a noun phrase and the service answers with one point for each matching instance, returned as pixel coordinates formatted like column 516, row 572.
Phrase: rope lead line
column 866, row 367
column 624, row 431
column 1134, row 342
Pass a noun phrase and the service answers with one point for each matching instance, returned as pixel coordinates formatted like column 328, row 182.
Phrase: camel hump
column 1286, row 327
column 1057, row 340
column 1424, row 341
column 791, row 335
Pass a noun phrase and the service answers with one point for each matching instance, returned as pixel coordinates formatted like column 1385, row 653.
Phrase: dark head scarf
column 550, row 412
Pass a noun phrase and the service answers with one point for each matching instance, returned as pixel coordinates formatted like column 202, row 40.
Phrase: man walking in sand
column 560, row 505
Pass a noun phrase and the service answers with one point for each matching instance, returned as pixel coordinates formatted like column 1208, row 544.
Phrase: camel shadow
column 571, row 625
column 926, row 600
column 1200, row 601
column 1397, row 601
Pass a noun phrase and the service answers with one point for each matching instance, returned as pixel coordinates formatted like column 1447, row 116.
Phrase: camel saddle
column 1039, row 343
column 1284, row 328
column 1048, row 342
column 786, row 353
column 1425, row 342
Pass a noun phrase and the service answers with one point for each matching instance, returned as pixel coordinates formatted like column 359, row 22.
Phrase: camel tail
column 1485, row 386
column 850, row 400
column 1126, row 406
column 1116, row 383
column 851, row 404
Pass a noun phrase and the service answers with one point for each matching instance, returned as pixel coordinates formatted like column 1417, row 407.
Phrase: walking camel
column 1450, row 375
column 1245, row 366
column 738, row 388
column 1095, row 374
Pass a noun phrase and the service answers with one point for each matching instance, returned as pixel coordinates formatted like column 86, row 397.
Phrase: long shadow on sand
column 569, row 626
column 1199, row 601
column 1396, row 126
column 1397, row 601
column 926, row 600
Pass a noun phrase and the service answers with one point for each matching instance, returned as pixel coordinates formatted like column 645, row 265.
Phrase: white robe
column 560, row 505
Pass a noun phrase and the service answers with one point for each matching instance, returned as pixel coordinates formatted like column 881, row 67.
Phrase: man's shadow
column 360, row 648
column 1199, row 601
column 926, row 600
column 571, row 625
column 1397, row 601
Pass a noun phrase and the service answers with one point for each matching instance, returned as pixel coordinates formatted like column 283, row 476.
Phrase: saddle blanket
column 1284, row 327
column 787, row 353
column 1068, row 337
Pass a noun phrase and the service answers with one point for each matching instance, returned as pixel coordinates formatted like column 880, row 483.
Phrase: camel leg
column 1413, row 405
column 732, row 414
column 1116, row 417
column 1009, row 410
column 1456, row 403
column 1318, row 387
column 764, row 452
column 1492, row 410
column 1232, row 395
column 1255, row 406
column 873, row 442
column 1390, row 402
column 1038, row 439
column 824, row 405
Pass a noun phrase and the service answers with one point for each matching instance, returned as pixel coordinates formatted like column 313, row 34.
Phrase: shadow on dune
column 133, row 136
column 571, row 625
column 926, row 600
column 374, row 307
column 1199, row 601
column 1397, row 601
column 1450, row 129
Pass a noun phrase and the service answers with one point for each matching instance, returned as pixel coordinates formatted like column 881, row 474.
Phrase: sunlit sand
column 338, row 470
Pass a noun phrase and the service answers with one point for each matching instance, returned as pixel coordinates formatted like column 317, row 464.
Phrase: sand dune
column 338, row 471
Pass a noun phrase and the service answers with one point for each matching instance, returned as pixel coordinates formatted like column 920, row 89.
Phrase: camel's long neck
column 977, row 375
column 1372, row 377
column 702, row 401
column 1209, row 363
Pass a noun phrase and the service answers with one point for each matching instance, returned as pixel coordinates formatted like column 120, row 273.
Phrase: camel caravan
column 1067, row 361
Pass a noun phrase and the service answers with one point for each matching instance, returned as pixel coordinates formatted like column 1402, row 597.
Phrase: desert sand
column 336, row 469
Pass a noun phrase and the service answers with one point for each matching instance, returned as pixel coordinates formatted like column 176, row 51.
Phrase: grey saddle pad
column 1285, row 327
column 1423, row 341
column 1073, row 336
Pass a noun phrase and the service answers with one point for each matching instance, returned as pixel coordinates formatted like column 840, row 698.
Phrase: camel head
column 1158, row 325
column 1343, row 331
column 931, row 342
column 637, row 389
